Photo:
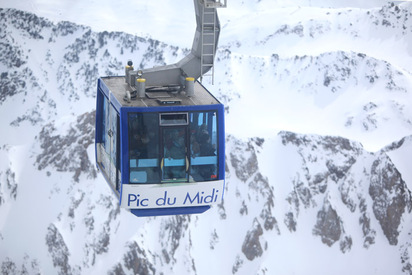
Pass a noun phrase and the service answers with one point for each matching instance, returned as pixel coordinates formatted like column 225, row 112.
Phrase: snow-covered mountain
column 319, row 146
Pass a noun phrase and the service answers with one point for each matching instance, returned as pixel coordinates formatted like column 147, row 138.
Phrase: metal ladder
column 208, row 36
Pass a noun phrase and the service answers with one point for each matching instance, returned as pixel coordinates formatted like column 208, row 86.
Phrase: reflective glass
column 174, row 153
column 203, row 146
column 143, row 147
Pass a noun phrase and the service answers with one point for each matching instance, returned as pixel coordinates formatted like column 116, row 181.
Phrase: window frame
column 132, row 163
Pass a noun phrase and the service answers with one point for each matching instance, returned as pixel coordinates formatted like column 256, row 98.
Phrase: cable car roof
column 158, row 96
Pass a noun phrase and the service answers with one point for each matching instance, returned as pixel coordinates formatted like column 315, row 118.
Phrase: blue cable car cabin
column 164, row 153
column 160, row 140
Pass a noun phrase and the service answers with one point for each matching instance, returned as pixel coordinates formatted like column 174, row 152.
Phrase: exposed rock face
column 365, row 222
column 28, row 267
column 174, row 231
column 58, row 250
column 333, row 161
column 243, row 156
column 251, row 246
column 391, row 197
column 69, row 152
column 136, row 260
column 328, row 169
column 244, row 160
column 325, row 162
column 328, row 225
column 8, row 186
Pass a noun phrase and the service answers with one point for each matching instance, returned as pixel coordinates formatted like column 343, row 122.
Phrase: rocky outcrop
column 58, row 250
column 391, row 197
column 8, row 186
column 244, row 160
column 136, row 260
column 69, row 152
column 251, row 247
column 28, row 266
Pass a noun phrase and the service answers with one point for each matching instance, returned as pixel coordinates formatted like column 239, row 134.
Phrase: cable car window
column 203, row 146
column 113, row 135
column 173, row 119
column 105, row 124
column 108, row 149
column 174, row 161
column 144, row 147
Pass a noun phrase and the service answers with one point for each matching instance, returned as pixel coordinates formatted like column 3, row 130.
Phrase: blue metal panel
column 142, row 163
column 222, row 139
column 203, row 160
column 103, row 87
column 169, row 211
column 98, row 126
column 138, row 176
column 113, row 100
column 174, row 162
column 124, row 149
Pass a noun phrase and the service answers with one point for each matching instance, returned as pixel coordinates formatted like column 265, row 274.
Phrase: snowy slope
column 320, row 62
column 156, row 19
column 308, row 203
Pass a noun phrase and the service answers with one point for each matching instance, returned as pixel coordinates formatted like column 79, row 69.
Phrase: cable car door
column 108, row 149
column 175, row 163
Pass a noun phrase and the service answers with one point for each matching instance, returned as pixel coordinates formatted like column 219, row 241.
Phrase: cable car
column 160, row 139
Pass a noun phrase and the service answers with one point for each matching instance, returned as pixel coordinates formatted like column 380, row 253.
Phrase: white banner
column 145, row 196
